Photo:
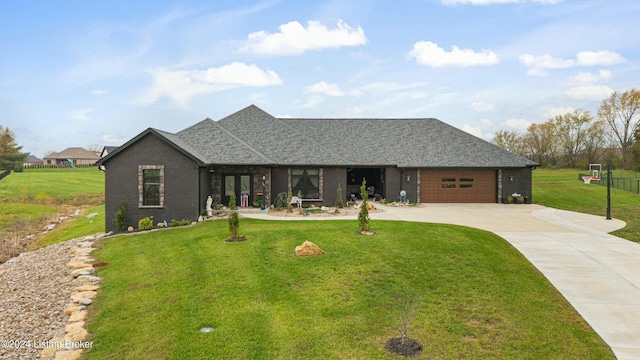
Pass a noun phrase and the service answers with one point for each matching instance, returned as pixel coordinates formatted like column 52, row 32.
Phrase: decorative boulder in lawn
column 308, row 249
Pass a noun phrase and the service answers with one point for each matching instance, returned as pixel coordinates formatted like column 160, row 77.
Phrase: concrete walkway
column 599, row 274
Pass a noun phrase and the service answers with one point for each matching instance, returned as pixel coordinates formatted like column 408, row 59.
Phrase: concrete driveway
column 599, row 274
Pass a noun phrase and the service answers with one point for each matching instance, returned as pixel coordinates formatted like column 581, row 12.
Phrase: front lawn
column 477, row 296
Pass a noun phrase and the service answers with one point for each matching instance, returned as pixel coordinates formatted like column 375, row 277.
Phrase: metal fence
column 4, row 174
column 631, row 184
column 56, row 166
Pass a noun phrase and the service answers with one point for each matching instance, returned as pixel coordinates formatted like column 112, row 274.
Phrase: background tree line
column 577, row 139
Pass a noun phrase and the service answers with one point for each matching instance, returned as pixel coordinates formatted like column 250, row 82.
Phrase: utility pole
column 608, row 191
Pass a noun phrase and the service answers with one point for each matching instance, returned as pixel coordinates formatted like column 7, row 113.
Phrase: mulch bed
column 410, row 348
column 238, row 239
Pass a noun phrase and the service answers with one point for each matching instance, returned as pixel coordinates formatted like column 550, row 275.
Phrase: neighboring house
column 105, row 151
column 72, row 156
column 253, row 154
column 33, row 161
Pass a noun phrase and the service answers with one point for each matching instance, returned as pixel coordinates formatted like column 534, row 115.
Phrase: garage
column 458, row 186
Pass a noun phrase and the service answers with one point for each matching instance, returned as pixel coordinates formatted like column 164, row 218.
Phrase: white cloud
column 112, row 139
column 80, row 114
column 313, row 101
column 590, row 78
column 555, row 111
column 483, row 106
column 430, row 54
column 325, row 88
column 594, row 58
column 486, row 122
column 285, row 116
column 538, row 64
column 182, row 85
column 98, row 92
column 475, row 131
column 590, row 92
column 520, row 124
column 295, row 39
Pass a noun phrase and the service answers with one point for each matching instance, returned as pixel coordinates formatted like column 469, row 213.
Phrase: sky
column 87, row 73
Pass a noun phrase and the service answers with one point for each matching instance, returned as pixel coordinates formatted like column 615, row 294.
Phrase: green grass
column 562, row 189
column 28, row 198
column 17, row 215
column 477, row 296
column 52, row 183
column 76, row 227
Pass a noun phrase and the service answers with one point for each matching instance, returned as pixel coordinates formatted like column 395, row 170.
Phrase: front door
column 238, row 184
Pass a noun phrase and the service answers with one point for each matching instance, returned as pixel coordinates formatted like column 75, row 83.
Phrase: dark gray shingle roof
column 253, row 137
column 277, row 141
column 220, row 146
column 406, row 143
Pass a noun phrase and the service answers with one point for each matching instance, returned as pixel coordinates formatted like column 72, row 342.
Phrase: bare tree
column 596, row 141
column 620, row 112
column 572, row 132
column 512, row 141
column 541, row 142
column 94, row 148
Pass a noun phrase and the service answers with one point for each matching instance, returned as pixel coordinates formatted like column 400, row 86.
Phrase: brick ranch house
column 255, row 155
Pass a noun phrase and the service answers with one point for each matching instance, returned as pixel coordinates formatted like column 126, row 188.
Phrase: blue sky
column 78, row 73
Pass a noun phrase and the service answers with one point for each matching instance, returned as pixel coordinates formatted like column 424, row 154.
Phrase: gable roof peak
column 250, row 111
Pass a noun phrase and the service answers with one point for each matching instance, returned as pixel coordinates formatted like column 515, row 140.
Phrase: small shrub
column 232, row 202
column 339, row 200
column 145, row 224
column 120, row 219
column 234, row 224
column 363, row 215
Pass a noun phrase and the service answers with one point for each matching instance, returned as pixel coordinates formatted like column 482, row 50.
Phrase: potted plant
column 259, row 202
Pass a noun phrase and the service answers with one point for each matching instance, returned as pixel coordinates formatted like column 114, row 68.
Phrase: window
column 151, row 185
column 306, row 183
column 448, row 183
column 466, row 183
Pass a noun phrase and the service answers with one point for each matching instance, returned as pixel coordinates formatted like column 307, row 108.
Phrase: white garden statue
column 209, row 209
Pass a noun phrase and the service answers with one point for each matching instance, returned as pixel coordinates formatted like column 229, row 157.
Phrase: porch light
column 408, row 178
column 510, row 178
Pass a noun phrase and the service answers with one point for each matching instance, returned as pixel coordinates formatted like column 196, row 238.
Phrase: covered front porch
column 250, row 184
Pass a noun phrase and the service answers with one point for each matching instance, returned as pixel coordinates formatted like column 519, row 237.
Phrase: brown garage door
column 458, row 186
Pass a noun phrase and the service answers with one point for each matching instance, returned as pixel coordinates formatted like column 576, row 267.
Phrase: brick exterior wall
column 181, row 188
column 516, row 181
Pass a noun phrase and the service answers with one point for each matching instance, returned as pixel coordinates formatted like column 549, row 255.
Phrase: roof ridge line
column 243, row 142
column 310, row 139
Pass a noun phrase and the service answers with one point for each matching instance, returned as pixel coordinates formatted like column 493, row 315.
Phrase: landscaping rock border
column 44, row 296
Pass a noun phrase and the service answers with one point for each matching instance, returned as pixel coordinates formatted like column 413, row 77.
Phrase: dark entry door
column 238, row 184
